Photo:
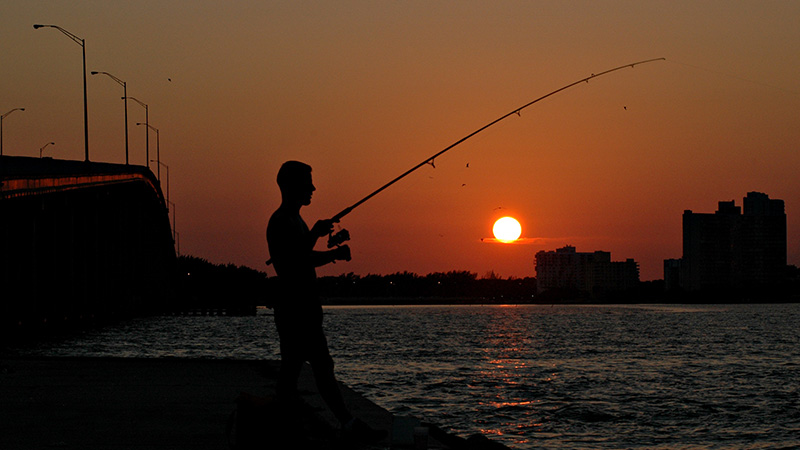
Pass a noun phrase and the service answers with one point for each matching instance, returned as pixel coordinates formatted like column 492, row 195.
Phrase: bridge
column 81, row 242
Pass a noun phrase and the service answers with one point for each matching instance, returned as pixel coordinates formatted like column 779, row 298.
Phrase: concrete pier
column 126, row 403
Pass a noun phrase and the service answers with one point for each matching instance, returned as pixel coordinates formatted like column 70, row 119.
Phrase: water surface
column 593, row 377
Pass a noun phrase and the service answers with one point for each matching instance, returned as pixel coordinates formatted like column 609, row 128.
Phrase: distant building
column 731, row 248
column 672, row 274
column 566, row 269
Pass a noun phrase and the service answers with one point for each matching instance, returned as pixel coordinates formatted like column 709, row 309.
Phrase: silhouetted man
column 298, row 311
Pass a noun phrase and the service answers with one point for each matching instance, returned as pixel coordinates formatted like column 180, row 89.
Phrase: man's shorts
column 302, row 337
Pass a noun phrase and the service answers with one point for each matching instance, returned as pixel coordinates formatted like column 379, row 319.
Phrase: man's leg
column 322, row 365
column 291, row 345
column 329, row 388
column 287, row 378
column 353, row 429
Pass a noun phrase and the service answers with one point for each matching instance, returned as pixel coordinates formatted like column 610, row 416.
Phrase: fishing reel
column 336, row 239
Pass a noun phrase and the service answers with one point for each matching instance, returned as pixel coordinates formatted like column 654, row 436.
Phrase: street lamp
column 125, row 94
column 158, row 150
column 45, row 145
column 146, row 130
column 166, row 167
column 175, row 232
column 1, row 126
column 82, row 43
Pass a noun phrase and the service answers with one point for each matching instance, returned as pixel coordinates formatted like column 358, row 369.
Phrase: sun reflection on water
column 534, row 376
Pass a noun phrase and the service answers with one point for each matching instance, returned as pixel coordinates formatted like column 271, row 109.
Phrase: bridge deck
column 20, row 176
column 81, row 241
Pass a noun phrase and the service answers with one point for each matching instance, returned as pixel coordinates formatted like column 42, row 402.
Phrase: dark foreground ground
column 110, row 403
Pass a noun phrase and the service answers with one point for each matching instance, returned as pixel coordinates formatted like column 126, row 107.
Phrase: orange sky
column 364, row 90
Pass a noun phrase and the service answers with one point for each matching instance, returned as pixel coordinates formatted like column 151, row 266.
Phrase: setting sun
column 507, row 229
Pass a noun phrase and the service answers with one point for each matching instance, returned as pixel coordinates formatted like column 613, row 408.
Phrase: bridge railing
column 21, row 176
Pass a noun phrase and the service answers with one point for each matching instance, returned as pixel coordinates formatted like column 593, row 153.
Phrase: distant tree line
column 205, row 285
column 239, row 289
column 408, row 287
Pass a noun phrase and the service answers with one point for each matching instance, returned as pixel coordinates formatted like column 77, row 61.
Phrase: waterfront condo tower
column 593, row 273
column 735, row 249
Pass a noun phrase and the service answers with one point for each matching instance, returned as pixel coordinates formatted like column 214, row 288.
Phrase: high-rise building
column 732, row 248
column 672, row 274
column 566, row 269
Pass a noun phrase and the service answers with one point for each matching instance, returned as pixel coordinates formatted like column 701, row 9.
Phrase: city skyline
column 735, row 247
column 363, row 90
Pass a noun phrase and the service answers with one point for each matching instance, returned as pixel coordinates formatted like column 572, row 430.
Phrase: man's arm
column 338, row 254
column 291, row 249
column 320, row 258
column 320, row 228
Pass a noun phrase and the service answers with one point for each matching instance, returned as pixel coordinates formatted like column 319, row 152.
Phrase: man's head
column 294, row 181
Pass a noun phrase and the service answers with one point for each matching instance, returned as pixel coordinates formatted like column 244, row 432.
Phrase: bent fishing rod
column 516, row 111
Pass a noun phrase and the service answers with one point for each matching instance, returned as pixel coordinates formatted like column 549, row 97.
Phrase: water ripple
column 589, row 377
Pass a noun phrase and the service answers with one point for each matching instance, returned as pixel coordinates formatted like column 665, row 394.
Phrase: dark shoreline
column 183, row 403
column 165, row 403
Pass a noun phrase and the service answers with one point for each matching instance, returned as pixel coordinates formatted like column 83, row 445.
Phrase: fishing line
column 516, row 111
column 736, row 77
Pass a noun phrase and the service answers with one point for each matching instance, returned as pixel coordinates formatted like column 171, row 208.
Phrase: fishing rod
column 516, row 111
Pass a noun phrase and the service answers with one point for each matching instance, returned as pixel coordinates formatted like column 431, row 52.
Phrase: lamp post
column 125, row 98
column 158, row 150
column 166, row 167
column 82, row 43
column 3, row 116
column 45, row 145
column 146, row 130
column 174, row 232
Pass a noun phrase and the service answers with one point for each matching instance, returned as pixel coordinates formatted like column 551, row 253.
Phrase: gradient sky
column 364, row 90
